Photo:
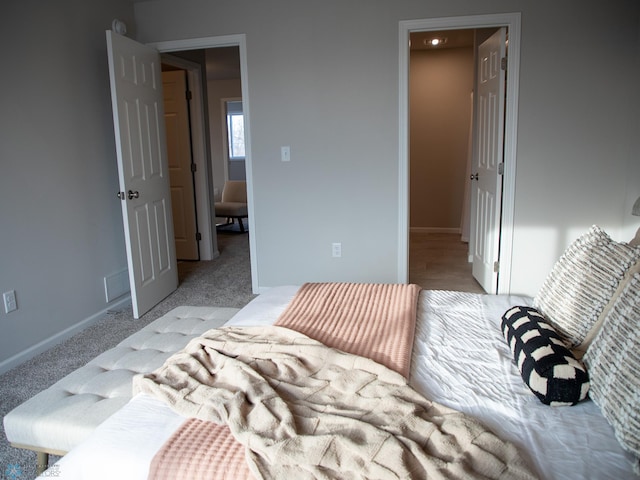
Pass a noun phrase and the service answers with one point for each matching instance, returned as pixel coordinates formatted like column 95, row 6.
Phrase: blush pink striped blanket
column 371, row 320
column 376, row 321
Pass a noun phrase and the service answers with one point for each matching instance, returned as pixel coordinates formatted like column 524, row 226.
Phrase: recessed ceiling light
column 435, row 42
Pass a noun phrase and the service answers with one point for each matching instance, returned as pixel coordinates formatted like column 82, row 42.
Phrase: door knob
column 131, row 194
column 474, row 176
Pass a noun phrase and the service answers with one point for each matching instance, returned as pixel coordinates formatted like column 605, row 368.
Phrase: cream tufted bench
column 60, row 417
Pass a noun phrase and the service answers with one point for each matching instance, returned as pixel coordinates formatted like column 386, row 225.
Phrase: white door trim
column 512, row 22
column 239, row 41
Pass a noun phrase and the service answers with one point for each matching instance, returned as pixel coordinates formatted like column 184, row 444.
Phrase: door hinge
column 194, row 168
column 503, row 63
column 501, row 168
column 189, row 96
column 198, row 236
column 496, row 266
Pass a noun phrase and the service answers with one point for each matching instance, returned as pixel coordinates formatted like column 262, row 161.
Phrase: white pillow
column 583, row 284
column 613, row 361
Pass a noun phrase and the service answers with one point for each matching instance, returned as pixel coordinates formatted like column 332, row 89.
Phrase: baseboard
column 59, row 337
column 434, row 230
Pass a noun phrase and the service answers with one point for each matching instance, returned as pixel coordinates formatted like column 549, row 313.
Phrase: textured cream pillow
column 583, row 285
column 613, row 362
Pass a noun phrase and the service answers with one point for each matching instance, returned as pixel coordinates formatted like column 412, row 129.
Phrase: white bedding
column 458, row 360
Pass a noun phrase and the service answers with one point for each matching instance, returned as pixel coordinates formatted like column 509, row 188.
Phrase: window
column 235, row 130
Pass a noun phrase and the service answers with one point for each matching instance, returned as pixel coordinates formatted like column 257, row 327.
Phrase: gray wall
column 60, row 221
column 323, row 78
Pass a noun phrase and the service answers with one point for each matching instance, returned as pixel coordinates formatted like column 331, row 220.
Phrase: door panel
column 136, row 96
column 488, row 158
column 176, row 114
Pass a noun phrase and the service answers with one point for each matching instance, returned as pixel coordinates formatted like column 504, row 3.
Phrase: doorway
column 141, row 149
column 213, row 185
column 512, row 23
column 442, row 81
column 218, row 71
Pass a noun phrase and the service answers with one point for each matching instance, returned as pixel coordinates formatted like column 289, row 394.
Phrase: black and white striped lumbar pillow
column 547, row 366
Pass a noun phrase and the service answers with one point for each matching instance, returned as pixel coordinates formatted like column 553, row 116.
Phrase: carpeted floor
column 222, row 282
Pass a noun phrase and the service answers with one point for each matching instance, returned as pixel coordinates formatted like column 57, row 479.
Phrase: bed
column 461, row 358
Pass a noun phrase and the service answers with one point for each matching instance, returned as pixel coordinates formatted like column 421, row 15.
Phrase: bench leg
column 43, row 462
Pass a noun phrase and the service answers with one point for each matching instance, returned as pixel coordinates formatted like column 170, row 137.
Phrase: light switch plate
column 285, row 153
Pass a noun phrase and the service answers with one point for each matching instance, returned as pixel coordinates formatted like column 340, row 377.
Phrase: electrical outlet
column 336, row 250
column 10, row 303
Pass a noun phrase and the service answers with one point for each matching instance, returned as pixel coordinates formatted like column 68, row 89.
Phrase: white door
column 138, row 117
column 488, row 158
column 176, row 116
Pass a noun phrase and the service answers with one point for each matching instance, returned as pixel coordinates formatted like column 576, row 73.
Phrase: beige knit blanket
column 373, row 320
column 307, row 411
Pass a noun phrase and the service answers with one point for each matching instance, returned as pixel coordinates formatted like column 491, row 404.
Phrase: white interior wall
column 631, row 224
column 327, row 85
column 323, row 78
column 60, row 221
column 578, row 131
